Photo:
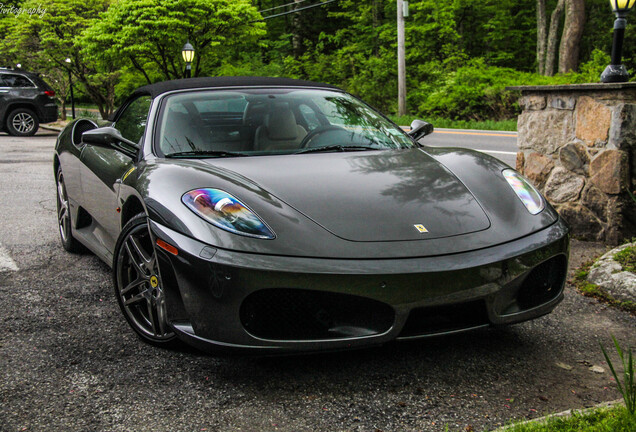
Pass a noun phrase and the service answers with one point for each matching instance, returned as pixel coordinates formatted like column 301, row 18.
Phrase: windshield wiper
column 211, row 153
column 339, row 147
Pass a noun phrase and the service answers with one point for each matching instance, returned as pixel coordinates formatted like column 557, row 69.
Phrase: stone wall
column 577, row 144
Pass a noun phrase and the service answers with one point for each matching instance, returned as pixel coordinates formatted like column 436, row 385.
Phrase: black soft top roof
column 191, row 83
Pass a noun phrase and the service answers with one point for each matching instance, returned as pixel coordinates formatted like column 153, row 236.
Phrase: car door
column 102, row 169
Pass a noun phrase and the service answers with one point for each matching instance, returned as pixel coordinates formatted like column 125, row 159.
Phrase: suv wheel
column 22, row 122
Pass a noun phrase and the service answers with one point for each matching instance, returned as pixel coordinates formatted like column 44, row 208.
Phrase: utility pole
column 401, row 59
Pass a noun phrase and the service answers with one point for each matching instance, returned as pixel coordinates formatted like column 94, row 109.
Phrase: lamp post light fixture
column 187, row 52
column 70, row 82
column 616, row 72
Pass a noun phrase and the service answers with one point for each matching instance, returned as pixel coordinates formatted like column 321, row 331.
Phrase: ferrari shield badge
column 421, row 228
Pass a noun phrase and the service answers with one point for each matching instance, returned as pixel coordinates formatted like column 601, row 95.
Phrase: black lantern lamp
column 616, row 72
column 188, row 55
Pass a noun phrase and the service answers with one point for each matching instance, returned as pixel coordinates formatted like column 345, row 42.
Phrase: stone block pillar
column 577, row 144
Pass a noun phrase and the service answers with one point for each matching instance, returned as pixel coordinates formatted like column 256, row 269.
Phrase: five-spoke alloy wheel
column 138, row 283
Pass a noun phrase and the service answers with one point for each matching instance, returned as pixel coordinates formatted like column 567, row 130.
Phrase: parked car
column 274, row 215
column 26, row 101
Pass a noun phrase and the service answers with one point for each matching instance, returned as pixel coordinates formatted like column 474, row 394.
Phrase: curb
column 52, row 128
column 566, row 413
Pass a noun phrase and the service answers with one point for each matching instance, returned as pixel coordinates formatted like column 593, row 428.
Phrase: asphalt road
column 502, row 145
column 68, row 361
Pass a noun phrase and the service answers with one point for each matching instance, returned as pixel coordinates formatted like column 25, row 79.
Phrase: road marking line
column 474, row 133
column 6, row 263
column 497, row 152
column 480, row 150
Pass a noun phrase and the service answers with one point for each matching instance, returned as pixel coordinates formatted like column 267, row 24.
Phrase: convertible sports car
column 274, row 215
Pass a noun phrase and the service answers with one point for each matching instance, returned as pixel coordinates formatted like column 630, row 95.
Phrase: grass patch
column 500, row 125
column 627, row 259
column 591, row 290
column 615, row 419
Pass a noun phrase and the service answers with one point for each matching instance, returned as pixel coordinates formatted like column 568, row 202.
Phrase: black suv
column 25, row 102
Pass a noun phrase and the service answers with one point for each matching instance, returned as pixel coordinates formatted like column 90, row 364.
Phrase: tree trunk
column 376, row 24
column 553, row 36
column 63, row 108
column 296, row 37
column 571, row 38
column 542, row 22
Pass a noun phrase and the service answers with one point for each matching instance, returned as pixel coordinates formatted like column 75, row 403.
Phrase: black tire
column 138, row 287
column 64, row 221
column 22, row 122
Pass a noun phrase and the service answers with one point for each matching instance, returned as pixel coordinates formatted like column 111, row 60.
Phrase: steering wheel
column 318, row 131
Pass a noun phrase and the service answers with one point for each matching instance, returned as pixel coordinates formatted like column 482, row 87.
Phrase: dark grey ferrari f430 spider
column 272, row 215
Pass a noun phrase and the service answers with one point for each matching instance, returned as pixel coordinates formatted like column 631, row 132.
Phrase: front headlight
column 528, row 195
column 226, row 212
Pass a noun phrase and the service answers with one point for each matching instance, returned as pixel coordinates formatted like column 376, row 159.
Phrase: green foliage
column 149, row 34
column 627, row 259
column 615, row 419
column 591, row 70
column 626, row 386
column 460, row 55
column 43, row 43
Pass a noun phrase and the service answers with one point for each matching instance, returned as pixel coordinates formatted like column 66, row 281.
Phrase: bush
column 477, row 92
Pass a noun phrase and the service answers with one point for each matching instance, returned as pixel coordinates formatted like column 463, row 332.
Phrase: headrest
column 281, row 123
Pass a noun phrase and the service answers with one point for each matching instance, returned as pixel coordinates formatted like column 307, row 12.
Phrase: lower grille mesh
column 293, row 314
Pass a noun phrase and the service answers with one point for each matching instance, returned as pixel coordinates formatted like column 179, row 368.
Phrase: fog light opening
column 543, row 284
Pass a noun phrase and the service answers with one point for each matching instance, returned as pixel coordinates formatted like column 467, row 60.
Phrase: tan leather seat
column 279, row 131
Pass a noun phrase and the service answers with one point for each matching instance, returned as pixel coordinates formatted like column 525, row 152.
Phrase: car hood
column 369, row 196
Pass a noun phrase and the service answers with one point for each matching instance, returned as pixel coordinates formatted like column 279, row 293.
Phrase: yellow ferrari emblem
column 421, row 228
column 154, row 281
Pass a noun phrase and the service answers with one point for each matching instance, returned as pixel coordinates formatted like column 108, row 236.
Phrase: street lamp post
column 70, row 83
column 187, row 52
column 616, row 72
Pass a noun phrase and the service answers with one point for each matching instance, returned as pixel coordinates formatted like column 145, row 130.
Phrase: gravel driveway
column 69, row 362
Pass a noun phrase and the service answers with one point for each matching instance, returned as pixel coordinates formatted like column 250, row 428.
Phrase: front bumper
column 223, row 300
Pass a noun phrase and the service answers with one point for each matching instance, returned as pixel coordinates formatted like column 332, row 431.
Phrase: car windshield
column 254, row 122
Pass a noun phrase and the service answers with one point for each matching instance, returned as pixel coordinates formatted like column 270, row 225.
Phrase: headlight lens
column 226, row 212
column 525, row 191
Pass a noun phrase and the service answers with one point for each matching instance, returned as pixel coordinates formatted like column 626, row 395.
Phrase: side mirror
column 420, row 129
column 111, row 138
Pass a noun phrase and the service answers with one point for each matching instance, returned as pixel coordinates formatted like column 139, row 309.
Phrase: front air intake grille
column 440, row 319
column 294, row 314
column 543, row 283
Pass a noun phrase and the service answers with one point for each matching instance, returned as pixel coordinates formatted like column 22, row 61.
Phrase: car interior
column 229, row 125
column 258, row 124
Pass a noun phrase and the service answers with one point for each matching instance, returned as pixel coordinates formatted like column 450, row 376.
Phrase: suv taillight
column 49, row 93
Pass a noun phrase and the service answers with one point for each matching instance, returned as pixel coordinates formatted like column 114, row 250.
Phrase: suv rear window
column 10, row 80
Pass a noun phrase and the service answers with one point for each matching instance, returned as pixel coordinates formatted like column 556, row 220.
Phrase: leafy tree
column 44, row 42
column 149, row 34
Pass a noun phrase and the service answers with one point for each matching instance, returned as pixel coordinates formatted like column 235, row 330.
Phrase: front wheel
column 138, row 284
column 22, row 122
